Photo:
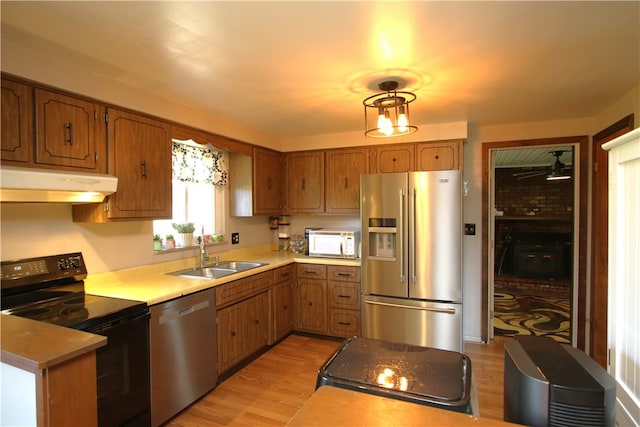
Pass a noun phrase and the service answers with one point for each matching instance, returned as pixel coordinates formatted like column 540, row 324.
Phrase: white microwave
column 334, row 244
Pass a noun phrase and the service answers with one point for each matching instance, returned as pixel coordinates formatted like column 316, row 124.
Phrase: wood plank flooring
column 271, row 389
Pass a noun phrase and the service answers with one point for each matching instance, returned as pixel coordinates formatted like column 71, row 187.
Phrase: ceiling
column 300, row 68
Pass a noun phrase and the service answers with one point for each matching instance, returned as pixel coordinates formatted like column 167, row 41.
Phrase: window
column 198, row 190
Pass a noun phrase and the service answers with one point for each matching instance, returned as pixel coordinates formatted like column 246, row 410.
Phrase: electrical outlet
column 235, row 238
column 470, row 229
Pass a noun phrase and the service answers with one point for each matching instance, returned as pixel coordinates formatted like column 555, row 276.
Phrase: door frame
column 580, row 273
column 599, row 290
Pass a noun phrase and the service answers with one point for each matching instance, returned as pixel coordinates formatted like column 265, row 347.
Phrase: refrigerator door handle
column 432, row 309
column 401, row 236
column 412, row 230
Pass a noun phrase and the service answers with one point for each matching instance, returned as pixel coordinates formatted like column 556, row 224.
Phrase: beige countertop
column 32, row 345
column 152, row 285
column 333, row 406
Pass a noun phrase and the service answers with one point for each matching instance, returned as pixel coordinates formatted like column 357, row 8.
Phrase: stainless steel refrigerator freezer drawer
column 423, row 323
column 422, row 375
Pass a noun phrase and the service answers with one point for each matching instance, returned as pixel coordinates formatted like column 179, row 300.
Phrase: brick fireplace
column 533, row 234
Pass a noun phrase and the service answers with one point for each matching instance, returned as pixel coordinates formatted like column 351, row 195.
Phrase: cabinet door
column 282, row 309
column 305, row 182
column 256, row 322
column 311, row 303
column 344, row 168
column 267, row 181
column 141, row 159
column 230, row 336
column 444, row 155
column 17, row 121
column 393, row 158
column 70, row 132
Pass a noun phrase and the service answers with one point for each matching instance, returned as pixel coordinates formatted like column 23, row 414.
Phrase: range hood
column 53, row 186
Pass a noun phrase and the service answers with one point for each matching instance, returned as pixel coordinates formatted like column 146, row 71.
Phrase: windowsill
column 186, row 248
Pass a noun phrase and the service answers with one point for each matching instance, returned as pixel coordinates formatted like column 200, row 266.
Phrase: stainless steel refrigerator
column 412, row 258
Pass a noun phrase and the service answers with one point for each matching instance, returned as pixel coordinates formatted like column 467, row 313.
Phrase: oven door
column 124, row 397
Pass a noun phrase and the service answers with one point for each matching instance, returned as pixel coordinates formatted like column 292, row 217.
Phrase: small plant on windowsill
column 186, row 232
column 157, row 242
column 170, row 241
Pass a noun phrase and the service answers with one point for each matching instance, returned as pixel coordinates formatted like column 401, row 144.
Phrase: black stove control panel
column 64, row 268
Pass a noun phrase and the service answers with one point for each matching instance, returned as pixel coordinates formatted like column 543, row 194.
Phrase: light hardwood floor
column 271, row 389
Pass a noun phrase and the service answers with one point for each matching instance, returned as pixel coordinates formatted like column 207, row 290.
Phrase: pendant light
column 387, row 114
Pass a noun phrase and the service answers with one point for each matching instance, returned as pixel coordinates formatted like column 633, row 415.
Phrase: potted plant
column 170, row 241
column 157, row 242
column 186, row 232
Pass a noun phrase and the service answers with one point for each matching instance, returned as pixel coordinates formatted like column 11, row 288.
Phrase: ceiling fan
column 557, row 171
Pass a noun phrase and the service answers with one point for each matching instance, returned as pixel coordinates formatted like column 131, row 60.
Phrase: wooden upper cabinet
column 267, row 181
column 140, row 154
column 393, row 158
column 343, row 170
column 70, row 132
column 304, row 182
column 445, row 155
column 17, row 122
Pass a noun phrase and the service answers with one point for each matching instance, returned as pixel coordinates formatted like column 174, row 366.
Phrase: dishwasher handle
column 175, row 314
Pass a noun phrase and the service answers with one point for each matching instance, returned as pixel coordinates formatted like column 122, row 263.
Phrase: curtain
column 198, row 164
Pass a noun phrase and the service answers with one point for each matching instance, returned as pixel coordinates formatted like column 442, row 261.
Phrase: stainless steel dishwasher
column 183, row 353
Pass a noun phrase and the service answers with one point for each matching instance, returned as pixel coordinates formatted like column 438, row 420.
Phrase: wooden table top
column 333, row 406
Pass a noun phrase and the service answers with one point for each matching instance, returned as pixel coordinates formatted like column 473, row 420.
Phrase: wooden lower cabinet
column 344, row 300
column 328, row 300
column 282, row 297
column 242, row 330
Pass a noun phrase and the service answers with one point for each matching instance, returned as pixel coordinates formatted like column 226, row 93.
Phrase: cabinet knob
column 233, row 334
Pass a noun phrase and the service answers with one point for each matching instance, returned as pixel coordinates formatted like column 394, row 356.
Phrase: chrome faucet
column 204, row 255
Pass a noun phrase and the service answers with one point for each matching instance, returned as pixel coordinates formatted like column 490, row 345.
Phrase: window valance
column 198, row 163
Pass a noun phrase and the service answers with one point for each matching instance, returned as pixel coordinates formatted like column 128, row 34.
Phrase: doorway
column 578, row 223
column 533, row 208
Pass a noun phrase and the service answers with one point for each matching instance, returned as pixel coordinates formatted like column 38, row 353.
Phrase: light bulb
column 384, row 123
column 402, row 120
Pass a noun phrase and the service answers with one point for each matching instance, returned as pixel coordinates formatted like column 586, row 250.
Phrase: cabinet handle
column 343, row 296
column 233, row 334
column 344, row 274
column 143, row 165
column 303, row 183
column 344, row 323
column 310, row 272
column 346, row 182
column 269, row 183
column 69, row 128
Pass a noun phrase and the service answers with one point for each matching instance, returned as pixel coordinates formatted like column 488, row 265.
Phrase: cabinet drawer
column 344, row 323
column 344, row 295
column 344, row 274
column 283, row 274
column 242, row 288
column 312, row 271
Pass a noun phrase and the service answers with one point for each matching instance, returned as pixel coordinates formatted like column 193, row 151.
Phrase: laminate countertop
column 333, row 406
column 153, row 285
column 33, row 346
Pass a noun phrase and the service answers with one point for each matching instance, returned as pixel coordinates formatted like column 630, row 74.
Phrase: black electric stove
column 423, row 375
column 51, row 289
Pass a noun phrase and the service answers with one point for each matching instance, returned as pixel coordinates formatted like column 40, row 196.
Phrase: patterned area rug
column 530, row 315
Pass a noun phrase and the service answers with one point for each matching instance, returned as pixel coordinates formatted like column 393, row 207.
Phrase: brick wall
column 532, row 195
column 533, row 205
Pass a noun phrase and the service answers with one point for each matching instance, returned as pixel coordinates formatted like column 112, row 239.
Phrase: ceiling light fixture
column 557, row 170
column 387, row 114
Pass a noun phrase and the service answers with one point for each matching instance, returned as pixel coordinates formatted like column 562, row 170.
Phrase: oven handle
column 98, row 329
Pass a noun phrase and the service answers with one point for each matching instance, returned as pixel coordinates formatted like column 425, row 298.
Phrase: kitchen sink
column 217, row 271
column 238, row 265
